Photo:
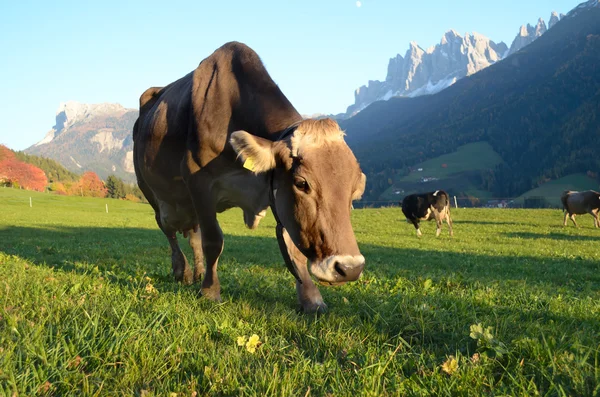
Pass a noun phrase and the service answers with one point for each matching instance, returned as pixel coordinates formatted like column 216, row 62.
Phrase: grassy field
column 509, row 306
column 470, row 157
column 467, row 159
column 553, row 189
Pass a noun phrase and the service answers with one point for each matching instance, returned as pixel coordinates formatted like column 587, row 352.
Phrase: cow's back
column 580, row 202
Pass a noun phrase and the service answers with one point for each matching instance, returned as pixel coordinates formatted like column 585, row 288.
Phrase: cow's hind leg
column 449, row 222
column 179, row 264
column 573, row 219
column 309, row 296
column 438, row 222
column 594, row 214
column 196, row 245
column 566, row 218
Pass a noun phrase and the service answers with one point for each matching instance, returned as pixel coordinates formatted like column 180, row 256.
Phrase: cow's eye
column 301, row 184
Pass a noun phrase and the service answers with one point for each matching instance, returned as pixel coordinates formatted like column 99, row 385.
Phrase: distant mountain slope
column 428, row 71
column 91, row 138
column 539, row 109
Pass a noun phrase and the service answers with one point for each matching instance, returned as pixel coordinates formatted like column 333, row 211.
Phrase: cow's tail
column 447, row 197
column 563, row 199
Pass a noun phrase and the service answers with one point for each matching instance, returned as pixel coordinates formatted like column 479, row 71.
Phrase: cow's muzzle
column 338, row 269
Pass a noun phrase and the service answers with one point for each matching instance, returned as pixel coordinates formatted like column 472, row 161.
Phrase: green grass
column 553, row 189
column 88, row 307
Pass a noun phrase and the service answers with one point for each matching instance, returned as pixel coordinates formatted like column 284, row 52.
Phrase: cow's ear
column 256, row 153
column 359, row 189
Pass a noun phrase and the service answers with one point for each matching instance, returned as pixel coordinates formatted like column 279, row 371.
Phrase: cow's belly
column 177, row 216
column 428, row 215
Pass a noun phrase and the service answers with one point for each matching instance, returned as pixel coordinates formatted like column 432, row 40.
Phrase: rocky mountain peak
column 428, row 71
column 91, row 136
column 528, row 34
column 72, row 112
column 540, row 28
column 554, row 18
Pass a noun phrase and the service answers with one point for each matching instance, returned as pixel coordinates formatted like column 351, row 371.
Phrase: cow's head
column 315, row 179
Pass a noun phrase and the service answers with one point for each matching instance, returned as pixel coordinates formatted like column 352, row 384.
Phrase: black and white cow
column 428, row 206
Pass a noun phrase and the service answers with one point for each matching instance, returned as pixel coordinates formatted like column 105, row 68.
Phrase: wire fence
column 455, row 201
column 477, row 202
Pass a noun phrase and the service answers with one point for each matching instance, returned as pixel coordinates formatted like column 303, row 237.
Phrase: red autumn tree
column 91, row 185
column 17, row 173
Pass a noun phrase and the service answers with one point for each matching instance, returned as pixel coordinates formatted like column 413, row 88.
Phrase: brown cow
column 577, row 203
column 225, row 136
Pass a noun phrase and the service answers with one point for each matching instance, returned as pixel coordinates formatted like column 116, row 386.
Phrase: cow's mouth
column 337, row 269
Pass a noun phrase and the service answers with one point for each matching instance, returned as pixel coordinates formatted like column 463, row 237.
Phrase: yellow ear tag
column 249, row 164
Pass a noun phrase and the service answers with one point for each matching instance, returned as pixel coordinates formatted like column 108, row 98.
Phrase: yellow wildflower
column 253, row 343
column 450, row 365
column 241, row 340
column 150, row 289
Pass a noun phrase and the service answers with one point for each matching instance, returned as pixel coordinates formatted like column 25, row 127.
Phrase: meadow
column 508, row 306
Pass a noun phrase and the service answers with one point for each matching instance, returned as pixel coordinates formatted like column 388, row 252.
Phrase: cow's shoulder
column 150, row 94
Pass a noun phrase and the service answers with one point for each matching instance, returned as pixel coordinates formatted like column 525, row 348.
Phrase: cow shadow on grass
column 122, row 253
column 552, row 236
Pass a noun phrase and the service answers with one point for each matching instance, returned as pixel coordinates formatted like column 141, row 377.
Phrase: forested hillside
column 54, row 171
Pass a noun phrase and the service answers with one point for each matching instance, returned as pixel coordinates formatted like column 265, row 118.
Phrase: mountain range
column 91, row 138
column 428, row 71
column 537, row 110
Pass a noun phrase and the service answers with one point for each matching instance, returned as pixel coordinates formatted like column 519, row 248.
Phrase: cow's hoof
column 314, row 308
column 188, row 277
column 185, row 279
column 214, row 294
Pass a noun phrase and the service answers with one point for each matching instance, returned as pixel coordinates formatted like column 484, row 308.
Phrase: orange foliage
column 91, row 185
column 58, row 188
column 131, row 197
column 17, row 173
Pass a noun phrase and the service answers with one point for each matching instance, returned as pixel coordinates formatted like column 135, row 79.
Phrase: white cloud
column 358, row 3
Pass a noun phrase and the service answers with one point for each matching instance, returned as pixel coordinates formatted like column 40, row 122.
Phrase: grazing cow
column 225, row 136
column 577, row 203
column 428, row 206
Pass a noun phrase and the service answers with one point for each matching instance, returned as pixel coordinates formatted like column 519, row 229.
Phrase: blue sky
column 318, row 51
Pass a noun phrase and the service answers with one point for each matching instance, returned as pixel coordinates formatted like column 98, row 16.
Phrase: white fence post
column 107, row 208
column 455, row 204
column 30, row 203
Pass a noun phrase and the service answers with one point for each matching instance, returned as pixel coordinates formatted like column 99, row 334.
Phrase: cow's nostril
column 338, row 268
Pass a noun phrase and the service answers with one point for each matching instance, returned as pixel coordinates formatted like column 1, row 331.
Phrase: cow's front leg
column 309, row 296
column 196, row 245
column 415, row 223
column 212, row 246
column 210, row 233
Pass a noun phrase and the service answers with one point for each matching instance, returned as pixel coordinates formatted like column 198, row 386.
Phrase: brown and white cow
column 577, row 203
column 225, row 136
